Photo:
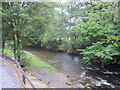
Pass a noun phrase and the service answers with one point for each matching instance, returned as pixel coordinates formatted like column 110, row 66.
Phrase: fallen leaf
column 69, row 83
column 81, row 76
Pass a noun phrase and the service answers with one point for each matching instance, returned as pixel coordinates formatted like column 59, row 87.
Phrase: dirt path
column 9, row 76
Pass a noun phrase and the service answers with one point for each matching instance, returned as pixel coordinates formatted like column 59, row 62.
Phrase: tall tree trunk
column 18, row 47
column 3, row 46
column 14, row 41
column 14, row 45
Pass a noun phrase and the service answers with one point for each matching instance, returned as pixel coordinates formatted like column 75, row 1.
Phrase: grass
column 34, row 61
column 9, row 52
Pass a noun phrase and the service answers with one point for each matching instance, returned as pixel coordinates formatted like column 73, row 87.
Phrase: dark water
column 80, row 75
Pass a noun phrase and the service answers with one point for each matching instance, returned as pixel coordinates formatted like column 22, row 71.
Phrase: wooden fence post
column 16, row 63
column 23, row 79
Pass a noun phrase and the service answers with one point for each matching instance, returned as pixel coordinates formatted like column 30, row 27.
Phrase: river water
column 72, row 73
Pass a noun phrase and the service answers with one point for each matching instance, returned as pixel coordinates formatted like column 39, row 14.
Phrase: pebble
column 39, row 79
column 67, row 76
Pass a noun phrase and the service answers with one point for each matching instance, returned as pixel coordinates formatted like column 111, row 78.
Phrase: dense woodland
column 90, row 29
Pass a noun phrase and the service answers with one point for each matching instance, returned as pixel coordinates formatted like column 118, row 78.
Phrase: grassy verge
column 34, row 61
column 9, row 52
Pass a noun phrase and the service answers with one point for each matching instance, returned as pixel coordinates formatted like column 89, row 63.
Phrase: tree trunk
column 14, row 45
column 3, row 46
column 18, row 47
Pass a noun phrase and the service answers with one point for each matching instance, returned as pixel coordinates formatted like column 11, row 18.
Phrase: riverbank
column 71, row 52
column 78, row 53
column 32, row 60
column 43, row 76
column 70, row 71
column 52, row 79
column 70, row 68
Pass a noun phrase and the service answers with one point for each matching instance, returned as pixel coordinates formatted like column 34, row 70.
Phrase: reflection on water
column 81, row 75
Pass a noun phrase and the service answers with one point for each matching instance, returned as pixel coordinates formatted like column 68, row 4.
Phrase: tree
column 91, row 28
column 13, row 23
column 100, row 29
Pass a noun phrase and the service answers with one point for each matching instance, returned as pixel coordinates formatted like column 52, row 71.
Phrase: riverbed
column 70, row 72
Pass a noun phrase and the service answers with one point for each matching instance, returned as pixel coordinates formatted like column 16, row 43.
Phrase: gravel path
column 9, row 77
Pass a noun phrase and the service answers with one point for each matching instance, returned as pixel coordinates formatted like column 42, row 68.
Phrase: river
column 72, row 73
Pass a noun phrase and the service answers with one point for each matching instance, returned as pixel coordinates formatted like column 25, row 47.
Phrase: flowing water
column 72, row 73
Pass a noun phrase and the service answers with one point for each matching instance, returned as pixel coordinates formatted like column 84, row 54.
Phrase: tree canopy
column 88, row 28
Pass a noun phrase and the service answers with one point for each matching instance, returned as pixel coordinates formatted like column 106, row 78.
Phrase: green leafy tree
column 100, row 31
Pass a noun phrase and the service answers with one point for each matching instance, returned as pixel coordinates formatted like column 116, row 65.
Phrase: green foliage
column 91, row 28
column 9, row 52
column 25, row 62
column 100, row 31
column 102, row 53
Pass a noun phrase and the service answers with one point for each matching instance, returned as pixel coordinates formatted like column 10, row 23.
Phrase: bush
column 101, row 52
column 25, row 62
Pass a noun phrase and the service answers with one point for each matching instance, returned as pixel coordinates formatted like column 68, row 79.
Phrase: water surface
column 78, row 75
